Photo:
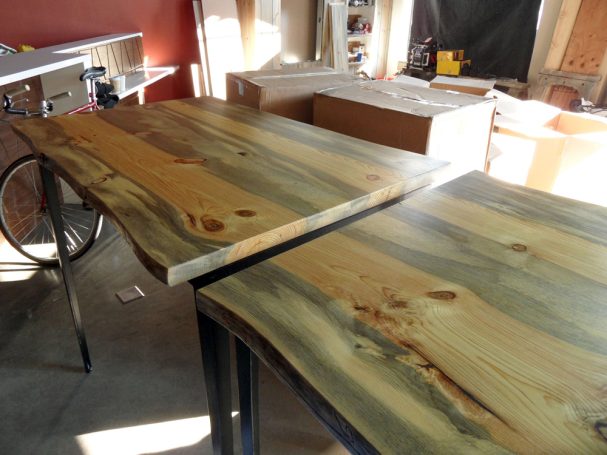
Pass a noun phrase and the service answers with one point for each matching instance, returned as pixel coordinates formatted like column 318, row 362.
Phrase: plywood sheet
column 562, row 33
column 588, row 41
column 338, row 13
column 246, row 17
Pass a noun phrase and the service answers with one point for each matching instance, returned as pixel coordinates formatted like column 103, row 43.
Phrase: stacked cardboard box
column 451, row 126
column 285, row 92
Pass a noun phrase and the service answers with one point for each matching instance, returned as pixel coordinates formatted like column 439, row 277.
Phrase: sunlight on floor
column 152, row 438
column 13, row 266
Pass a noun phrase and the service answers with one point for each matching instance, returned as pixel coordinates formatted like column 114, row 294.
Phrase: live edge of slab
column 199, row 183
column 468, row 319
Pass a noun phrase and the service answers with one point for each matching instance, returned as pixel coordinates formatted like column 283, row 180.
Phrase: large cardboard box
column 285, row 92
column 450, row 126
column 547, row 148
column 569, row 150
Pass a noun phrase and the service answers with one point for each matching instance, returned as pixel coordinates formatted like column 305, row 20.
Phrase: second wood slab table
column 468, row 319
column 202, row 188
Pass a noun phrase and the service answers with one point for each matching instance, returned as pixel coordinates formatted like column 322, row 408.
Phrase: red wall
column 168, row 26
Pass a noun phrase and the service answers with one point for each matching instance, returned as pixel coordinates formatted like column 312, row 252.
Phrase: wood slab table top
column 197, row 184
column 468, row 319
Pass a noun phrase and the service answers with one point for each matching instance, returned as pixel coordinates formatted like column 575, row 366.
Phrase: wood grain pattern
column 197, row 184
column 562, row 33
column 246, row 17
column 588, row 42
column 338, row 12
column 468, row 319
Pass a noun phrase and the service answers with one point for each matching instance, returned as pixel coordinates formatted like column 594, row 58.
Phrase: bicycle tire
column 24, row 220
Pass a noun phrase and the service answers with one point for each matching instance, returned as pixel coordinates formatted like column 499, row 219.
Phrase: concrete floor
column 146, row 366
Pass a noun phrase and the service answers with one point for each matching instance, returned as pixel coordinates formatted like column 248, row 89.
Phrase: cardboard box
column 567, row 148
column 511, row 158
column 451, row 68
column 285, row 92
column 443, row 125
column 412, row 81
column 473, row 86
column 450, row 55
column 581, row 173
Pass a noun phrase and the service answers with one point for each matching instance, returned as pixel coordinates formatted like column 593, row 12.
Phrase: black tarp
column 498, row 35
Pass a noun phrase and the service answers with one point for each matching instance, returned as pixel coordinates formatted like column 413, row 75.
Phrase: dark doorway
column 497, row 35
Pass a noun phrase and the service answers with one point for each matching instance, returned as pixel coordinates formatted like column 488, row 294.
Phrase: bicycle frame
column 91, row 105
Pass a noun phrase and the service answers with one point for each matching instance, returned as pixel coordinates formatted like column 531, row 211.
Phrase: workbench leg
column 248, row 392
column 53, row 205
column 215, row 345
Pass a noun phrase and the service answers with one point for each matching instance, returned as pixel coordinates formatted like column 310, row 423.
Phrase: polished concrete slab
column 146, row 391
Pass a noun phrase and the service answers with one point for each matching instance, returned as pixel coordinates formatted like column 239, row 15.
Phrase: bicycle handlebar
column 12, row 110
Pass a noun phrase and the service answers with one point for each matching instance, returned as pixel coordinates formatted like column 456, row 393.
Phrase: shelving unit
column 363, row 39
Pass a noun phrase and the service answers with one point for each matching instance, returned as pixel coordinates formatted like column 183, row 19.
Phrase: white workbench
column 14, row 68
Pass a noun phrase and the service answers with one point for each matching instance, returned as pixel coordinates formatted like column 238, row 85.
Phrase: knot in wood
column 442, row 295
column 245, row 213
column 397, row 304
column 212, row 225
column 373, row 177
column 519, row 247
column 362, row 308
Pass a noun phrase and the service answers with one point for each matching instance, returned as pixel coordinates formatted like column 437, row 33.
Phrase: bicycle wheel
column 25, row 221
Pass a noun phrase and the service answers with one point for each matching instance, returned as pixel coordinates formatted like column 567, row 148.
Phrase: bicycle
column 24, row 220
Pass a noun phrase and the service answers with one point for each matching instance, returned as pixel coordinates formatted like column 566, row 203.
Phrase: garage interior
column 511, row 96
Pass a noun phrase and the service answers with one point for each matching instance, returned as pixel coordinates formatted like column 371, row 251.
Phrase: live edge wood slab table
column 202, row 188
column 470, row 318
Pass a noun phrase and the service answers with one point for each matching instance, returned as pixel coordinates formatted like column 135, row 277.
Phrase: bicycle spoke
column 24, row 239
column 23, row 220
column 21, row 192
column 75, row 233
column 33, row 180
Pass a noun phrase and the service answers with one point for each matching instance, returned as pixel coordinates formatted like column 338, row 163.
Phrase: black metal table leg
column 215, row 344
column 50, row 188
column 248, row 393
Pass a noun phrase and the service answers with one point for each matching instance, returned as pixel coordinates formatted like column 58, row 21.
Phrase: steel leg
column 50, row 188
column 248, row 392
column 215, row 344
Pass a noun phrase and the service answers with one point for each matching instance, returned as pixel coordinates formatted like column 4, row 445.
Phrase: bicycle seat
column 94, row 72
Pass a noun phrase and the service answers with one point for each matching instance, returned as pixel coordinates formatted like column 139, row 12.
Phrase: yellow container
column 451, row 68
column 450, row 56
